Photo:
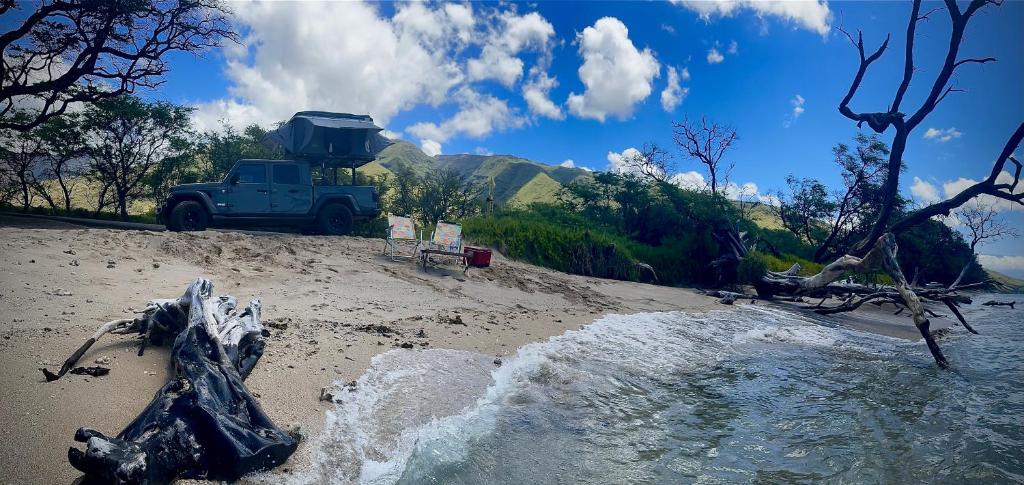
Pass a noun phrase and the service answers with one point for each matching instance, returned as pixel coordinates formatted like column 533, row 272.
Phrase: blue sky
column 337, row 56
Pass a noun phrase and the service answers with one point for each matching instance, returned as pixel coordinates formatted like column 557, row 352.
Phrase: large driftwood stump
column 882, row 256
column 204, row 423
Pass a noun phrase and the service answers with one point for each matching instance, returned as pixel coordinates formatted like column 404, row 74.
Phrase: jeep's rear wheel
column 188, row 216
column 334, row 220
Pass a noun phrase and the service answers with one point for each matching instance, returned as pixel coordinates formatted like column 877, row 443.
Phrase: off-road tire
column 334, row 220
column 188, row 215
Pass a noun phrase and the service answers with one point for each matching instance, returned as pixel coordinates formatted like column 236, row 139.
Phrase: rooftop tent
column 353, row 139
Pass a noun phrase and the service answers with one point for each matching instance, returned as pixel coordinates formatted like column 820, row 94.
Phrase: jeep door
column 291, row 191
column 250, row 192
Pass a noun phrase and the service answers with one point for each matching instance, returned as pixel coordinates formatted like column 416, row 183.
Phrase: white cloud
column 813, row 15
column 536, row 92
column 516, row 33
column 668, row 28
column 715, row 57
column 483, row 151
column 431, row 147
column 392, row 135
column 618, row 162
column 338, row 56
column 741, row 192
column 673, row 94
column 798, row 105
column 940, row 135
column 615, row 74
column 734, row 47
column 690, row 180
column 928, row 193
column 479, row 115
column 924, row 191
column 1002, row 264
column 798, row 109
column 568, row 164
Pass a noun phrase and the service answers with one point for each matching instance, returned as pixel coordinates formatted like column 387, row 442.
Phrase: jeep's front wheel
column 188, row 216
column 334, row 220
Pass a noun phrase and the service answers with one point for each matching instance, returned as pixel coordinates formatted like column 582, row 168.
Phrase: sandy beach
column 330, row 303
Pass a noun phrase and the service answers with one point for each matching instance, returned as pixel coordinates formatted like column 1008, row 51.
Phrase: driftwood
column 999, row 303
column 204, row 423
column 902, row 294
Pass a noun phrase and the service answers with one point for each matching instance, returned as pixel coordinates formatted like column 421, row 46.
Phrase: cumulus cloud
column 479, row 115
column 734, row 47
column 337, row 56
column 430, row 147
column 940, row 135
column 537, row 91
column 927, row 192
column 924, row 191
column 483, row 151
column 674, row 93
column 812, row 15
column 568, row 164
column 618, row 162
column 715, row 57
column 1013, row 265
column 689, row 180
column 499, row 57
column 616, row 75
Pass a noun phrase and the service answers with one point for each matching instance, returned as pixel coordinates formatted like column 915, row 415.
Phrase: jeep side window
column 286, row 174
column 251, row 173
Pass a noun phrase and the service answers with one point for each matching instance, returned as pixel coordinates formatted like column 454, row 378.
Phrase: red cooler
column 478, row 257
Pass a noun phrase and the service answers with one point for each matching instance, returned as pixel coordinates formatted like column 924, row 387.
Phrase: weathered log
column 204, row 423
column 882, row 256
column 993, row 303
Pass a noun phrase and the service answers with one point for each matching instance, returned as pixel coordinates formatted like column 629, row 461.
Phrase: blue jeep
column 269, row 192
column 303, row 191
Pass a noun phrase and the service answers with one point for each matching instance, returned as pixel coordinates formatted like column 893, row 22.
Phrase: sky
column 580, row 83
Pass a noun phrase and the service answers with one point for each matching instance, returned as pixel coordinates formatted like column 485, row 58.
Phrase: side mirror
column 233, row 180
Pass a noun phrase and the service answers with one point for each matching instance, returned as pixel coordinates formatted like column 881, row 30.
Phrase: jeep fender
column 201, row 197
column 344, row 199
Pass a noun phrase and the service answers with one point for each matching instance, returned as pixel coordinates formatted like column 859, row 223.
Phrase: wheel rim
column 191, row 220
column 336, row 223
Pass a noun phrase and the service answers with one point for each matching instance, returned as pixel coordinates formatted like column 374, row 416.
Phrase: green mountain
column 516, row 180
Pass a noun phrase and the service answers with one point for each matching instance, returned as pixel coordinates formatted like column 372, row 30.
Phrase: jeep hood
column 194, row 187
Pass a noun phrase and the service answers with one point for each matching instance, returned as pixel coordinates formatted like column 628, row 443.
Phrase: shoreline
column 331, row 304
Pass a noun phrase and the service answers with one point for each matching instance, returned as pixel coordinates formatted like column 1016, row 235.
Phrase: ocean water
column 753, row 394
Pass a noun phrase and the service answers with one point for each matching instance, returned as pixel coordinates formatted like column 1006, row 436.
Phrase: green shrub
column 752, row 268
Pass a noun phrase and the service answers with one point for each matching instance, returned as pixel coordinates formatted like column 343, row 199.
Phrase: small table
column 425, row 257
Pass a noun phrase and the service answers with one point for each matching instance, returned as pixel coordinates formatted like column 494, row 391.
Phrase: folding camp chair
column 445, row 241
column 400, row 231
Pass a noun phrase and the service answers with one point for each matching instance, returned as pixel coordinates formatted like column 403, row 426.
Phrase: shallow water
column 747, row 395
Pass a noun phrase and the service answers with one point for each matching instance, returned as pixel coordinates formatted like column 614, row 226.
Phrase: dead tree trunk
column 882, row 256
column 204, row 423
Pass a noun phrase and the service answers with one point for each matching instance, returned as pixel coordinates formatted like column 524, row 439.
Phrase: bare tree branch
column 69, row 52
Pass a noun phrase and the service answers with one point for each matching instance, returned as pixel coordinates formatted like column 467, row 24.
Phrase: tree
column 406, row 187
column 220, row 149
column 85, row 51
column 707, row 142
column 20, row 154
column 445, row 195
column 877, row 250
column 894, row 117
column 127, row 138
column 833, row 221
column 63, row 155
column 982, row 223
column 651, row 162
column 807, row 210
